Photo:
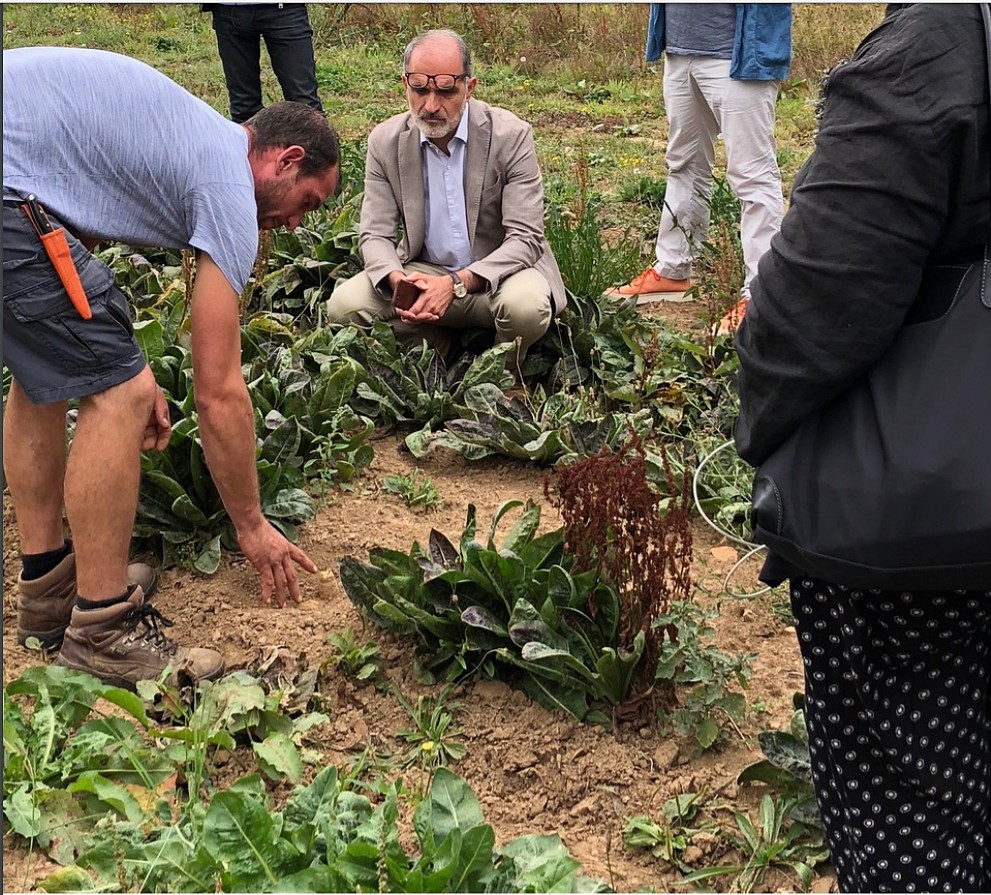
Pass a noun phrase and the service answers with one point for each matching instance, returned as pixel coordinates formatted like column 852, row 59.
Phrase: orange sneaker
column 731, row 319
column 650, row 282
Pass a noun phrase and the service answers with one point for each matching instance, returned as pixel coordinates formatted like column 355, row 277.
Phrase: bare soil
column 534, row 771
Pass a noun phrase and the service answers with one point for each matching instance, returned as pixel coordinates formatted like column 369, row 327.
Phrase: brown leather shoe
column 123, row 644
column 44, row 605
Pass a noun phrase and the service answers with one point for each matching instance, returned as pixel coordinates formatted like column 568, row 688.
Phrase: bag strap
column 986, row 17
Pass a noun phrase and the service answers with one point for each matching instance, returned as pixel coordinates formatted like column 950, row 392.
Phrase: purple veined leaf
column 525, row 632
column 480, row 617
column 442, row 551
column 479, row 430
column 486, row 398
column 455, row 373
column 430, row 569
column 433, row 375
column 490, row 365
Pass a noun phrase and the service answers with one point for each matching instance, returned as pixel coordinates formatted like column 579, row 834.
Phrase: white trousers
column 701, row 102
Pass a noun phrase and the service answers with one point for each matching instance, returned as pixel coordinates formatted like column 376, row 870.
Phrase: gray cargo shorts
column 52, row 353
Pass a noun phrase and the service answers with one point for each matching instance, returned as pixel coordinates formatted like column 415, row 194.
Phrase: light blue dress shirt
column 446, row 226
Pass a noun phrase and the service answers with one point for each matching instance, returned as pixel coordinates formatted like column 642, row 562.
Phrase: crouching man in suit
column 452, row 232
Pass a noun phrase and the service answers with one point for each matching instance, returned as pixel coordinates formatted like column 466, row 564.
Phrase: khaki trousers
column 519, row 309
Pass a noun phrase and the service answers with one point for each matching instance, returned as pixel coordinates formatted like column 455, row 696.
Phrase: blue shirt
column 446, row 226
column 761, row 43
column 118, row 151
column 700, row 29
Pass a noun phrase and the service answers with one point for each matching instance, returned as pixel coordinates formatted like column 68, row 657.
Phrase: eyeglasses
column 442, row 83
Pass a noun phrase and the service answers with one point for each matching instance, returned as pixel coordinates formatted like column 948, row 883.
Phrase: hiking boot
column 650, row 284
column 123, row 644
column 731, row 319
column 44, row 605
column 145, row 577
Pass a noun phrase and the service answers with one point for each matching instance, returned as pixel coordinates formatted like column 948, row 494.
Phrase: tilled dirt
column 534, row 771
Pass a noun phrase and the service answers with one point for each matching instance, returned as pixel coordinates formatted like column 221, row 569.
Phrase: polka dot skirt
column 897, row 707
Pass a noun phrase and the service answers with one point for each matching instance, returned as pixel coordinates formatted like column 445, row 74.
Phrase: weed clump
column 616, row 525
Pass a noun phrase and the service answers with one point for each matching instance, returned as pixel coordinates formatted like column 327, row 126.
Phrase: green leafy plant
column 558, row 429
column 720, row 273
column 723, row 485
column 624, row 363
column 588, row 263
column 668, row 838
column 588, row 93
column 787, row 765
column 434, row 739
column 512, row 609
column 413, row 384
column 148, row 278
column 307, row 431
column 774, row 842
column 414, row 490
column 303, row 402
column 179, row 507
column 303, row 264
column 645, row 190
column 237, row 707
column 703, row 678
column 63, row 769
column 327, row 838
column 359, row 661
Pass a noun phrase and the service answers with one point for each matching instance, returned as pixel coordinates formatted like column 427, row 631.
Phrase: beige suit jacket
column 503, row 191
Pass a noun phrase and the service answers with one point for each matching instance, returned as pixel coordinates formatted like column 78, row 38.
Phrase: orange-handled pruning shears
column 57, row 249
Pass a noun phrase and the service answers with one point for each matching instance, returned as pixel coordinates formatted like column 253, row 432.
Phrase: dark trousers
column 897, row 707
column 285, row 28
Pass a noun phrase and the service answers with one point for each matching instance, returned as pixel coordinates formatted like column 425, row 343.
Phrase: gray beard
column 433, row 130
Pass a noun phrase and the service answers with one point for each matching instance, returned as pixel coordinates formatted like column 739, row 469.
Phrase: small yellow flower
column 428, row 746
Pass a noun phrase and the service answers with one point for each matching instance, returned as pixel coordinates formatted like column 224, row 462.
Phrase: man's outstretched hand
column 275, row 559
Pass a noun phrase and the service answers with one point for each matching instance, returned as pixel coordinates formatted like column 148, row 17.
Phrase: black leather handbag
column 889, row 486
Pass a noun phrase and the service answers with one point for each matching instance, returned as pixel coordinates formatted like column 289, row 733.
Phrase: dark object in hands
column 405, row 295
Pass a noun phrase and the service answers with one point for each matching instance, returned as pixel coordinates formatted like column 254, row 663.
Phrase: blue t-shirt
column 700, row 29
column 118, row 151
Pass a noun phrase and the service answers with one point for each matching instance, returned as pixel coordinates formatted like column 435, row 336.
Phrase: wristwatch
column 460, row 290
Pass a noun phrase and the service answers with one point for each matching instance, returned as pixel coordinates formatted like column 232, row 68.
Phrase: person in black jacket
column 897, row 683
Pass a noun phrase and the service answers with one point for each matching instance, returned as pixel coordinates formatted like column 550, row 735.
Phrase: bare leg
column 34, row 466
column 101, row 483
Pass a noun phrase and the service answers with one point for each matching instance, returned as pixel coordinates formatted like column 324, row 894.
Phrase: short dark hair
column 287, row 123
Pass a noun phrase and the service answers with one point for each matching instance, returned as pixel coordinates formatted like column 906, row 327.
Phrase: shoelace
column 152, row 619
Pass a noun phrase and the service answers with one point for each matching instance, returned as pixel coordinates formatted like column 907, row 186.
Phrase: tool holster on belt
column 57, row 248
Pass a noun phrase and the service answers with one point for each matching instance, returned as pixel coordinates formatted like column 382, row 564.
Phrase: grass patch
column 575, row 71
